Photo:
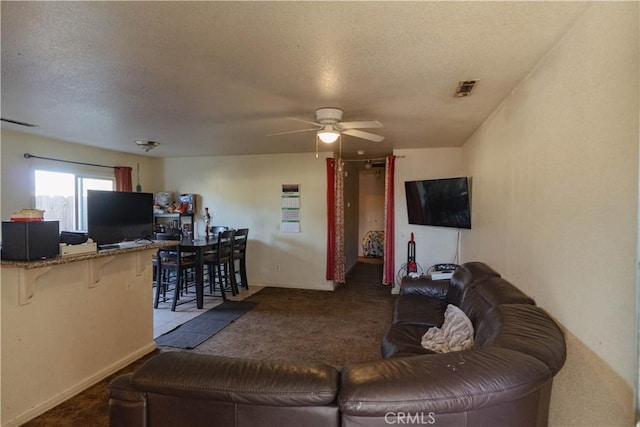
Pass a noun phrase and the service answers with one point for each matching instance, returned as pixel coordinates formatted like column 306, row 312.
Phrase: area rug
column 199, row 329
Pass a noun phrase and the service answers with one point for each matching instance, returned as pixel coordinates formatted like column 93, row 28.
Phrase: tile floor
column 165, row 320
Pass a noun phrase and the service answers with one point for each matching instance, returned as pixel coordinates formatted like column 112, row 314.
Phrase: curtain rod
column 370, row 160
column 31, row 156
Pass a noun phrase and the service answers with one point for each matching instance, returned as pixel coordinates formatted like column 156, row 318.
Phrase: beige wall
column 240, row 191
column 18, row 179
column 555, row 184
column 433, row 244
column 244, row 191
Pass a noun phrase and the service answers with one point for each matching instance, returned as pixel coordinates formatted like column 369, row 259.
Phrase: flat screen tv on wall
column 119, row 216
column 439, row 202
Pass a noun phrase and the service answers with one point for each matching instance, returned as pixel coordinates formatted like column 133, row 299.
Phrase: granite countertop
column 125, row 248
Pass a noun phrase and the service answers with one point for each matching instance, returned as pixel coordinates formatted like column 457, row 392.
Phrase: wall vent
column 464, row 88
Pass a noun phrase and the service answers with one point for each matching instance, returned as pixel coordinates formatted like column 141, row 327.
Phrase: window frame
column 78, row 176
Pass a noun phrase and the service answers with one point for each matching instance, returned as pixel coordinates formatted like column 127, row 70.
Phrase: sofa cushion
column 425, row 287
column 465, row 277
column 403, row 340
column 456, row 333
column 441, row 383
column 524, row 328
column 496, row 291
column 488, row 293
column 237, row 380
column 419, row 310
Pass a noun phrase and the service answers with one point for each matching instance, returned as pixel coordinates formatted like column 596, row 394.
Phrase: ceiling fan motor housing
column 328, row 115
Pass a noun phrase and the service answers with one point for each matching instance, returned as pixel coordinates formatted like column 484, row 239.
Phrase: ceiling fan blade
column 361, row 125
column 291, row 131
column 363, row 135
column 304, row 121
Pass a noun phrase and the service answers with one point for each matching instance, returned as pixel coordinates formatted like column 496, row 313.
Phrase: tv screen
column 439, row 202
column 118, row 216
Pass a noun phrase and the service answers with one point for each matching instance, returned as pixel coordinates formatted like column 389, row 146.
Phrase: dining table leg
column 199, row 278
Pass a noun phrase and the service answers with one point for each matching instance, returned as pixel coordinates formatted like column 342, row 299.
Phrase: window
column 63, row 196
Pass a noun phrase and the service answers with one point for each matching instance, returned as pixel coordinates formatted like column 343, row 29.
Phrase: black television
column 119, row 216
column 439, row 202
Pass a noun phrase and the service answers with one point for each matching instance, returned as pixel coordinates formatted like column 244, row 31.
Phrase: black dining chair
column 218, row 264
column 215, row 229
column 240, row 257
column 175, row 271
column 167, row 235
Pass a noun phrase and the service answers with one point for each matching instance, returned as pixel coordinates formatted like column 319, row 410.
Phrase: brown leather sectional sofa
column 504, row 380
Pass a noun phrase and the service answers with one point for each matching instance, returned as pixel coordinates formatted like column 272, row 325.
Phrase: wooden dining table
column 199, row 246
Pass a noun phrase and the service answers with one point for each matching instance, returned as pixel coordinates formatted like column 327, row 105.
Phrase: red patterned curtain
column 388, row 271
column 123, row 178
column 339, row 270
column 331, row 207
column 335, row 221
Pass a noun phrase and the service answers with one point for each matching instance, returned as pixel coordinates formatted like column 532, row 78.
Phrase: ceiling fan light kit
column 146, row 145
column 328, row 136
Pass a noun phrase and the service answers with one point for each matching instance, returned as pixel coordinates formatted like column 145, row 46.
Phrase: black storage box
column 30, row 241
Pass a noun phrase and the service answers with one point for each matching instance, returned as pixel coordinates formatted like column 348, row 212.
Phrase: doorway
column 371, row 198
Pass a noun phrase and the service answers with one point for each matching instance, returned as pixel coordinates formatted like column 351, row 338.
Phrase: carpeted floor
column 337, row 327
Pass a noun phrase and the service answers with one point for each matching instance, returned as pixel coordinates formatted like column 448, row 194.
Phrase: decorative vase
column 207, row 221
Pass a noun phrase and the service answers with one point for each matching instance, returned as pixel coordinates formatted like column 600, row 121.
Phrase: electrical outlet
column 277, row 267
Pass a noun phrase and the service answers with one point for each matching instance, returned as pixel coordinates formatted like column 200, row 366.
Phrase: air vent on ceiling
column 465, row 87
column 15, row 122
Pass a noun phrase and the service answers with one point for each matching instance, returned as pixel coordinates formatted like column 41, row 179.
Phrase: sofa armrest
column 440, row 383
column 127, row 406
column 424, row 286
column 238, row 380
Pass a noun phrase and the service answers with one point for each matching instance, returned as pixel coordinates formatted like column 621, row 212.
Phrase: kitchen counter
column 69, row 322
column 126, row 247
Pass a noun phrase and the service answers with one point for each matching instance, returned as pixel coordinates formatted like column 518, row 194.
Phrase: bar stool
column 219, row 264
column 239, row 254
column 173, row 268
column 168, row 235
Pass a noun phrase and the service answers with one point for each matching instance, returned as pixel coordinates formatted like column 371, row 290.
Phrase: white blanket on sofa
column 456, row 333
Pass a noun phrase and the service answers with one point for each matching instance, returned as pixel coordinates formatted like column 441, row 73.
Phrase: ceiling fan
column 329, row 126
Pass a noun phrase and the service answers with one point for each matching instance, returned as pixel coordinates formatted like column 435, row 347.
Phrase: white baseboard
column 54, row 401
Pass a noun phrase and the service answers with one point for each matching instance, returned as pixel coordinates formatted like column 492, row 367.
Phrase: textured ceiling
column 215, row 78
